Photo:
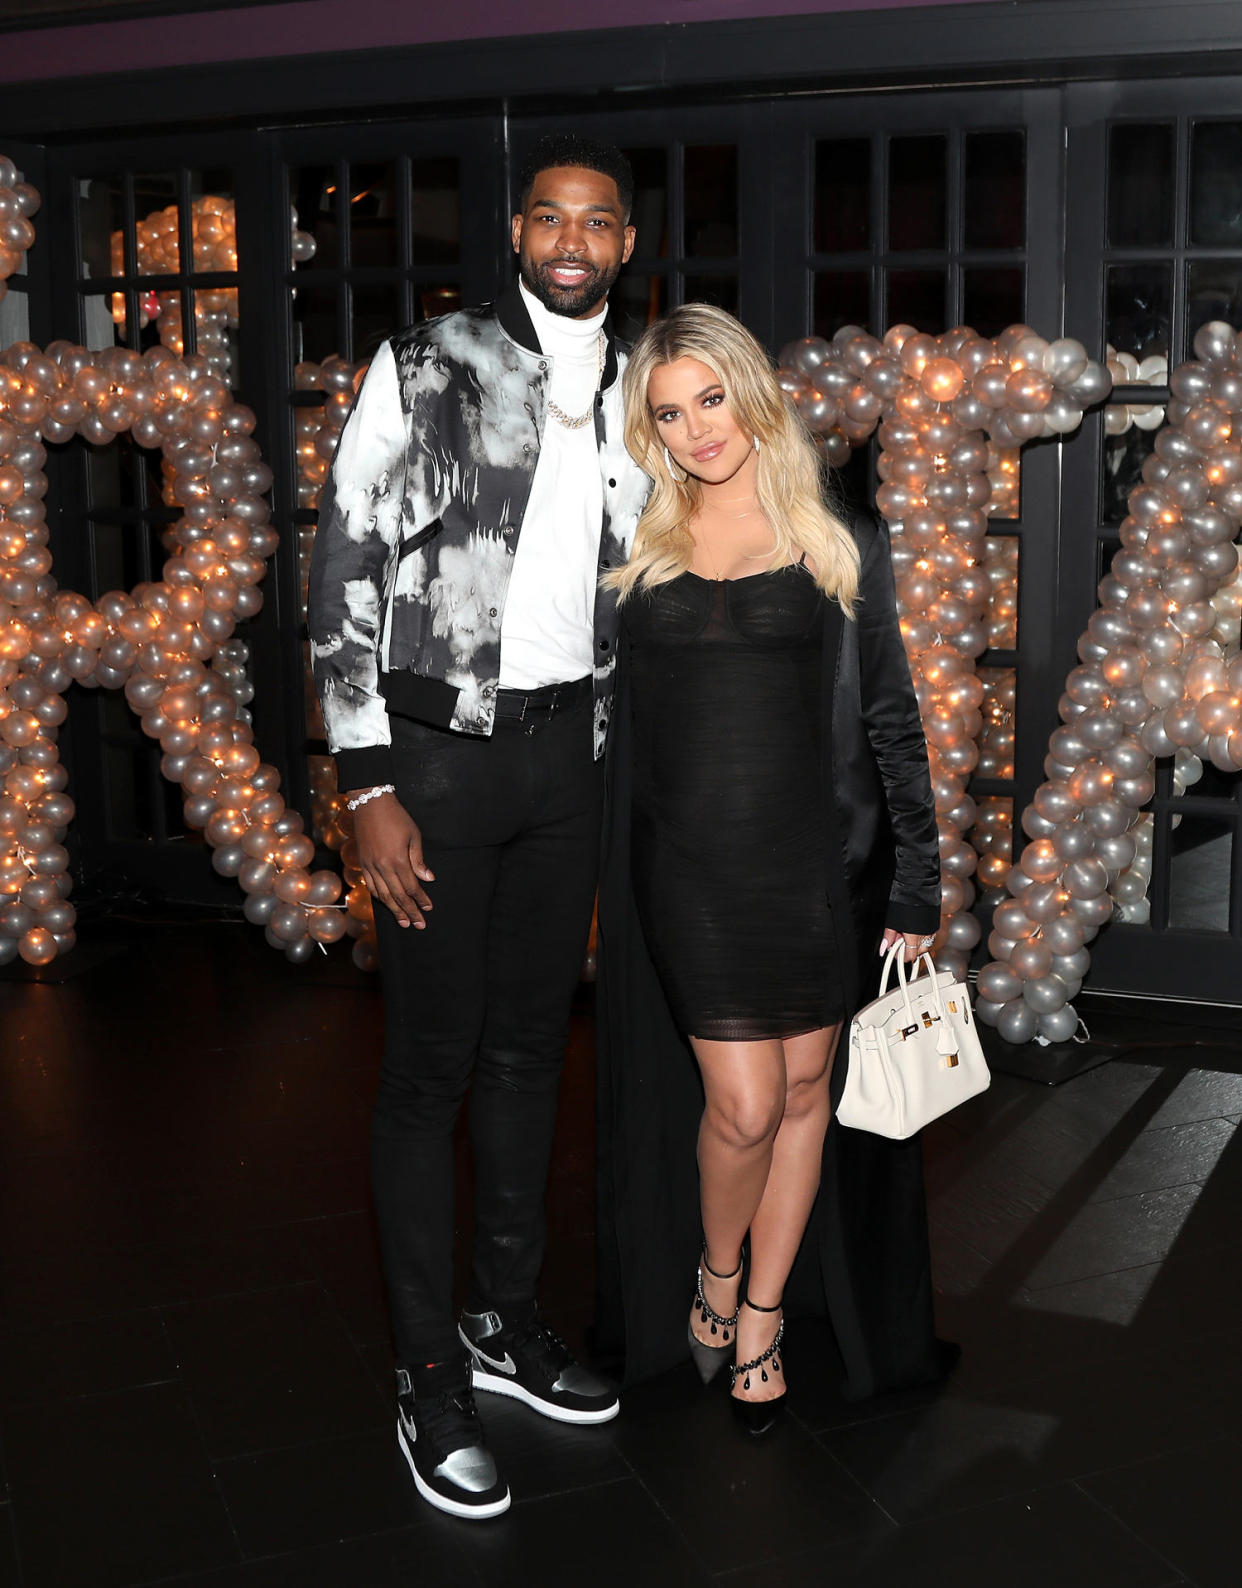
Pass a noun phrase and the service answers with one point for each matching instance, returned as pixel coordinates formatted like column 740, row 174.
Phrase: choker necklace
column 569, row 421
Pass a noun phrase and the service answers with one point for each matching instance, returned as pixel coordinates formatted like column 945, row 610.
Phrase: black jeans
column 510, row 828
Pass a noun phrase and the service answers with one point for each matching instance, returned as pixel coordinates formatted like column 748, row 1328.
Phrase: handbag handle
column 896, row 954
column 944, row 1042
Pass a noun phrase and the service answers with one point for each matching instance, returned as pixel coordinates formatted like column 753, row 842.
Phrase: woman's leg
column 780, row 1220
column 745, row 1088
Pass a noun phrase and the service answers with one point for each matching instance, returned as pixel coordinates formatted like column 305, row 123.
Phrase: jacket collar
column 515, row 321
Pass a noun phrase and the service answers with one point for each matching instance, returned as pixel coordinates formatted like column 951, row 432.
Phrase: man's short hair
column 571, row 148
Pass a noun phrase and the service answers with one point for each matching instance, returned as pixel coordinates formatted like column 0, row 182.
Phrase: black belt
column 532, row 706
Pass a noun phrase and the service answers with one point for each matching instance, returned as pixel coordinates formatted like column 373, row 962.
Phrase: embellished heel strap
column 772, row 1354
column 707, row 1314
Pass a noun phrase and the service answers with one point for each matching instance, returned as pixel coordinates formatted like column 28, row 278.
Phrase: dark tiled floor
column 194, row 1362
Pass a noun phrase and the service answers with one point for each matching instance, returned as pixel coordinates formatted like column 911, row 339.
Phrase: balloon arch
column 1160, row 672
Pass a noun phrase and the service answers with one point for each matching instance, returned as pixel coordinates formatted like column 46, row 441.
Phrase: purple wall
column 307, row 27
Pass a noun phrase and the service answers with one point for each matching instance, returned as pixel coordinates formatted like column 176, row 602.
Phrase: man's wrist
column 356, row 798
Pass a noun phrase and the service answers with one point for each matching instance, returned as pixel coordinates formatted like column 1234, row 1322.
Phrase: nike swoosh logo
column 507, row 1366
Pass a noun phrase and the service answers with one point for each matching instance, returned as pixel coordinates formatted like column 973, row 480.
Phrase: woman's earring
column 755, row 439
column 668, row 464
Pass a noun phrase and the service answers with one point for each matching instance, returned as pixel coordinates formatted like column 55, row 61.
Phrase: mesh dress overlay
column 728, row 838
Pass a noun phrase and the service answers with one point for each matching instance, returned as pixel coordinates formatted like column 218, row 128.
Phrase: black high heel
column 709, row 1359
column 758, row 1417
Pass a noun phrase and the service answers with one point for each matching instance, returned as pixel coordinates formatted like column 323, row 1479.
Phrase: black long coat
column 864, row 1261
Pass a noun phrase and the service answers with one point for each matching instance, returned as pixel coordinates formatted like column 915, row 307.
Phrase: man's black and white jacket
column 420, row 519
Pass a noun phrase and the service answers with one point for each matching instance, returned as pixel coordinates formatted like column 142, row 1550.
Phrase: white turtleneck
column 548, row 630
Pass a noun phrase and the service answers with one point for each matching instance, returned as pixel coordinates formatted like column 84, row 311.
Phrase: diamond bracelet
column 371, row 794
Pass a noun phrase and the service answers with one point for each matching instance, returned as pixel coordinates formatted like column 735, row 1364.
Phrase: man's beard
column 568, row 301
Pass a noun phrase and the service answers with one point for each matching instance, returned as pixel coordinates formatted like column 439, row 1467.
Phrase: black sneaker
column 440, row 1435
column 533, row 1364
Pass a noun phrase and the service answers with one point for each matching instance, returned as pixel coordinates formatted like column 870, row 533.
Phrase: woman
column 768, row 728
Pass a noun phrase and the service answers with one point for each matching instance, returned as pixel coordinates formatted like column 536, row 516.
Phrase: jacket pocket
column 420, row 539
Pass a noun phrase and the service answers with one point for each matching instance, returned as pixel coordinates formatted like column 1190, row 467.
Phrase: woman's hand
column 915, row 945
column 390, row 852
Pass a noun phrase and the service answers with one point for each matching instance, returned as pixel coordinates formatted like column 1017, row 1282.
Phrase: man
column 464, row 658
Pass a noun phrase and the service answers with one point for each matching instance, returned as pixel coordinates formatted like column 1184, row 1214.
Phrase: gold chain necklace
column 568, row 420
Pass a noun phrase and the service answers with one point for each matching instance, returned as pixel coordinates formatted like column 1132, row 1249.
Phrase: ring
column 926, row 942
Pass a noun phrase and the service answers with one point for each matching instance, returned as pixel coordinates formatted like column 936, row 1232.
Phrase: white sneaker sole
column 441, row 1502
column 498, row 1384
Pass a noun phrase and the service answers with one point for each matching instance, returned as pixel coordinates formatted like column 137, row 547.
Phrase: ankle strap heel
column 743, row 1370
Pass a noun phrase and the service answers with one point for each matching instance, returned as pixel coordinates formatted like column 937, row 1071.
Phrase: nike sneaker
column 531, row 1363
column 441, row 1437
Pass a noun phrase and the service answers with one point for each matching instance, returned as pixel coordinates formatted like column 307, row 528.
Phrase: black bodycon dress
column 728, row 835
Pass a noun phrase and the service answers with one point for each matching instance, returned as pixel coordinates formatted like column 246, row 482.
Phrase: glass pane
column 992, row 836
column 158, row 229
column 917, row 192
column 995, row 190
column 321, row 775
column 103, row 320
column 1123, row 460
column 312, row 193
column 996, row 741
column 376, row 314
column 435, row 210
column 917, row 298
column 711, row 201
column 214, row 219
column 993, row 297
column 1200, row 856
column 842, row 297
column 316, row 332
column 720, row 290
column 215, row 328
column 373, row 214
column 1000, row 558
column 101, row 215
column 650, row 213
column 1005, row 478
column 637, row 301
column 1140, row 184
column 306, row 546
column 1213, row 784
column 842, row 195
column 14, row 312
column 431, row 301
column 162, row 323
column 1216, row 182
column 1213, row 292
column 120, row 553
column 1138, row 308
column 113, row 475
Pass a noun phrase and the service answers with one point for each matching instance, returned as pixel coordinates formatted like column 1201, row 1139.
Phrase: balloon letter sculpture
column 938, row 402
column 1160, row 676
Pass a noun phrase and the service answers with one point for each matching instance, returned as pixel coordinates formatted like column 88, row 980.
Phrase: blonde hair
column 790, row 482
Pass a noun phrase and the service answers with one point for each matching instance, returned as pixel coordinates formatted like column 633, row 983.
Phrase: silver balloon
column 1045, row 996
column 1017, row 1022
column 1059, row 1025
column 1065, row 935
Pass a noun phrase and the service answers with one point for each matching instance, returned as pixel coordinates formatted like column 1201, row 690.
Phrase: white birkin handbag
column 914, row 1052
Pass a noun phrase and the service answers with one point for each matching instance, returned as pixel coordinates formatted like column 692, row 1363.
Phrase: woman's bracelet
column 370, row 794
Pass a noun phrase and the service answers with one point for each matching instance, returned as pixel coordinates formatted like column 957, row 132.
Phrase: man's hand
column 390, row 852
